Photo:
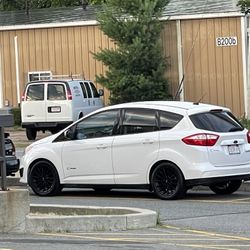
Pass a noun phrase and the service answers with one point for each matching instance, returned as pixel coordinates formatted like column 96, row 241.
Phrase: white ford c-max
column 167, row 147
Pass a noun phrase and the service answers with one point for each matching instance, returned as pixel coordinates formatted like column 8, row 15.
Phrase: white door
column 33, row 106
column 58, row 108
column 137, row 148
column 88, row 158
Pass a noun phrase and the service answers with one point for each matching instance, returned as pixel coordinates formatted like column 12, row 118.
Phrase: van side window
column 84, row 92
column 94, row 90
column 139, row 121
column 88, row 89
column 35, row 92
column 56, row 92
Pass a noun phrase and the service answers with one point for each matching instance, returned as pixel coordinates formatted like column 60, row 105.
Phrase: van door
column 58, row 108
column 97, row 101
column 33, row 104
column 87, row 96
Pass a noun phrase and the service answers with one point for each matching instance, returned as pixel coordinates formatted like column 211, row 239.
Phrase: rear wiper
column 235, row 129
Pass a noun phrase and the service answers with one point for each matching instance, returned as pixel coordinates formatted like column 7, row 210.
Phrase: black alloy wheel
column 226, row 187
column 167, row 181
column 43, row 179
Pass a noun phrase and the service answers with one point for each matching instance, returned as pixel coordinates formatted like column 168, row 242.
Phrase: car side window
column 56, row 92
column 35, row 92
column 94, row 90
column 84, row 91
column 138, row 121
column 168, row 120
column 88, row 89
column 98, row 125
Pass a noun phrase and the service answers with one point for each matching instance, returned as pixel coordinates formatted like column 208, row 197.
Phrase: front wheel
column 43, row 179
column 226, row 187
column 167, row 181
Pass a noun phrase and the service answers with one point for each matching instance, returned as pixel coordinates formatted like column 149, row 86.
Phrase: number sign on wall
column 226, row 41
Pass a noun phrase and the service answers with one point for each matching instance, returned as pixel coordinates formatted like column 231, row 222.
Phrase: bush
column 17, row 116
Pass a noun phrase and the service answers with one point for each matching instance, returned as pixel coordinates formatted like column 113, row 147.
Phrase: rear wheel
column 167, row 181
column 44, row 179
column 31, row 133
column 226, row 187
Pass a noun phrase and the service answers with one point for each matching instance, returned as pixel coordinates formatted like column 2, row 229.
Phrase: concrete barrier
column 62, row 218
column 14, row 206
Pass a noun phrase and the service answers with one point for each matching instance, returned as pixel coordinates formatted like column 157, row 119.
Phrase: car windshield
column 217, row 121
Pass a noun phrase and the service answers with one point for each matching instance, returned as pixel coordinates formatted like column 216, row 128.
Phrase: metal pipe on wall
column 17, row 70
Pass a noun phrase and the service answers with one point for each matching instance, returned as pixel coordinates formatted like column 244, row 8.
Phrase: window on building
column 39, row 75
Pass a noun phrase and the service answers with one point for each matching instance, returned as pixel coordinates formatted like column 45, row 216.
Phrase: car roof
column 174, row 106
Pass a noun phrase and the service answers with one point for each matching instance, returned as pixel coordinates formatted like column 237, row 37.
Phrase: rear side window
column 35, row 92
column 84, row 91
column 94, row 90
column 168, row 120
column 217, row 121
column 88, row 89
column 139, row 121
column 56, row 92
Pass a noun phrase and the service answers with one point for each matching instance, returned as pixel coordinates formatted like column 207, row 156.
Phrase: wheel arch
column 156, row 164
column 42, row 159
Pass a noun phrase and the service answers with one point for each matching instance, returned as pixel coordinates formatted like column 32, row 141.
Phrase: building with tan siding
column 205, row 42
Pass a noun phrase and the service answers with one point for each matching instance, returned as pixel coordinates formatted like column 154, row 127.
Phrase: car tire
column 226, row 187
column 43, row 179
column 31, row 133
column 167, row 181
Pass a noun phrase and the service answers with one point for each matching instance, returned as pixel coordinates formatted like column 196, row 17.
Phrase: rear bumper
column 12, row 165
column 213, row 180
column 46, row 125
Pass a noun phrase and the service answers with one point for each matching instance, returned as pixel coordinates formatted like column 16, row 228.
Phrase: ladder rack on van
column 72, row 76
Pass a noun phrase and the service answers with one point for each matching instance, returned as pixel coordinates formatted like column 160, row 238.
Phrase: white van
column 54, row 104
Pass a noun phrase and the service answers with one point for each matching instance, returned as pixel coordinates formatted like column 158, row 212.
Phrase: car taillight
column 69, row 94
column 248, row 136
column 23, row 96
column 203, row 139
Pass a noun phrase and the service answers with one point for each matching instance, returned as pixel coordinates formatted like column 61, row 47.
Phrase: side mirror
column 101, row 92
column 69, row 133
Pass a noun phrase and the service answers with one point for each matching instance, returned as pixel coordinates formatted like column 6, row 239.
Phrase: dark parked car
column 12, row 163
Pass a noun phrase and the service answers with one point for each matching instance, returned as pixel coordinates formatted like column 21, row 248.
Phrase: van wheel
column 226, row 187
column 31, row 133
column 43, row 179
column 167, row 181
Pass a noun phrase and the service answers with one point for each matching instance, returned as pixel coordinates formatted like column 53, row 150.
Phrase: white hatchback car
column 166, row 147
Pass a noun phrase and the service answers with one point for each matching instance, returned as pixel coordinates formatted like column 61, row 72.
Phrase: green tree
column 137, row 66
column 28, row 4
column 244, row 4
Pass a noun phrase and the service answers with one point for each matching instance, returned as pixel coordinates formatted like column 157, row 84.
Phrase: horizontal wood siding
column 213, row 74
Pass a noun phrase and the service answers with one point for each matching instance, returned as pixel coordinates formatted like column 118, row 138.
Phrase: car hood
column 47, row 139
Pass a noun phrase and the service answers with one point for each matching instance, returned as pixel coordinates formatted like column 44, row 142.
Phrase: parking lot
column 202, row 220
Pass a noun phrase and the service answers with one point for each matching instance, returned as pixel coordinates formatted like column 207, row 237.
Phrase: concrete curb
column 63, row 218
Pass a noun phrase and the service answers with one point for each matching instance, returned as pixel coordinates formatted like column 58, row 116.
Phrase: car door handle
column 147, row 141
column 101, row 146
